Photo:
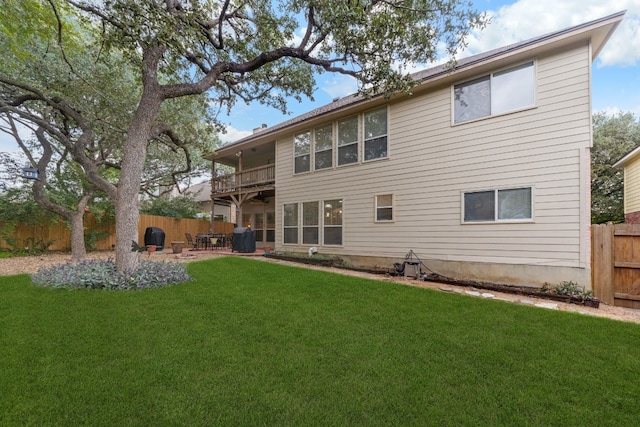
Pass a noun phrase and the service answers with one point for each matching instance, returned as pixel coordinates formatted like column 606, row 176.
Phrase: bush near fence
column 59, row 235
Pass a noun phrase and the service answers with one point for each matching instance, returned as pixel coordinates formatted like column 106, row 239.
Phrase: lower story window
column 246, row 220
column 313, row 222
column 310, row 228
column 332, row 220
column 271, row 227
column 384, row 208
column 290, row 232
column 498, row 205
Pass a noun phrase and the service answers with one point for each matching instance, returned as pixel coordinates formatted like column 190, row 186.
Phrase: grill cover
column 244, row 240
column 154, row 236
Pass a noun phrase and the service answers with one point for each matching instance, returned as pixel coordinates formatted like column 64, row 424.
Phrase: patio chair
column 202, row 240
column 228, row 240
column 190, row 241
column 213, row 241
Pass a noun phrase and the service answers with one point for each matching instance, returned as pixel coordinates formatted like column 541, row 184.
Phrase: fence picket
column 60, row 235
column 615, row 265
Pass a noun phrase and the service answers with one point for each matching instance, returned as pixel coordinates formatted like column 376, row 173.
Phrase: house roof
column 631, row 155
column 597, row 31
column 200, row 192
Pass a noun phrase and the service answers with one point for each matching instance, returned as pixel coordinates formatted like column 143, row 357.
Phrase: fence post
column 602, row 259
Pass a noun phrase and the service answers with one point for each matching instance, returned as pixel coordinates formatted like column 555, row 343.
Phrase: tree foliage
column 173, row 207
column 613, row 137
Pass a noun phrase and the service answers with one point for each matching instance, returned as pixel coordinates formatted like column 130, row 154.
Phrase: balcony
column 247, row 181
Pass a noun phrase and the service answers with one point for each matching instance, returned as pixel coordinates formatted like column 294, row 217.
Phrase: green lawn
column 255, row 343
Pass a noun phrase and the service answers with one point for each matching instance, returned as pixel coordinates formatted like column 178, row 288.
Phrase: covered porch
column 244, row 175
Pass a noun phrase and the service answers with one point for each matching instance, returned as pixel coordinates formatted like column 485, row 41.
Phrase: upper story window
column 351, row 140
column 375, row 134
column 323, row 138
column 507, row 90
column 348, row 141
column 302, row 151
column 512, row 204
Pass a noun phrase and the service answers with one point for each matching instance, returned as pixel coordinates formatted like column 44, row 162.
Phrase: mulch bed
column 529, row 291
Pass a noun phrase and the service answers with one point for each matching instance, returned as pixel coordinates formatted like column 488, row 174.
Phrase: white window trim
column 321, row 224
column 504, row 113
column 323, row 202
column 358, row 142
column 284, row 227
column 302, row 226
column 496, row 220
column 334, row 146
column 364, row 140
column 311, row 156
column 393, row 208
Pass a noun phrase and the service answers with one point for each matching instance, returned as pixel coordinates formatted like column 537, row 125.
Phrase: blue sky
column 616, row 72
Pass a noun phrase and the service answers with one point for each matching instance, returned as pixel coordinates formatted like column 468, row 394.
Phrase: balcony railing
column 246, row 179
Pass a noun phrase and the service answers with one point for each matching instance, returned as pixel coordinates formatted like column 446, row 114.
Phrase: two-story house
column 483, row 171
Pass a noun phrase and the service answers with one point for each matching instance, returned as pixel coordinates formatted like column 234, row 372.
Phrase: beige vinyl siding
column 431, row 163
column 632, row 186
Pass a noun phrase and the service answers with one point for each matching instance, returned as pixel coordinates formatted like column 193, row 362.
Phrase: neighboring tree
column 245, row 50
column 69, row 195
column 18, row 206
column 613, row 137
column 77, row 102
column 174, row 207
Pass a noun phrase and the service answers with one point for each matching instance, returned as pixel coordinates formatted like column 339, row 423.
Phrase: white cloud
column 610, row 111
column 232, row 134
column 525, row 19
column 338, row 85
column 614, row 111
column 297, row 37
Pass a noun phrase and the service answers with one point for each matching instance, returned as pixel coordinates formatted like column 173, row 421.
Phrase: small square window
column 384, row 208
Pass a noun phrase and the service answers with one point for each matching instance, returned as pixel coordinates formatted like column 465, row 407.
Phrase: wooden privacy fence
column 105, row 234
column 615, row 265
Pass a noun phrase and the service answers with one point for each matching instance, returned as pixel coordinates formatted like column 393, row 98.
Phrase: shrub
column 102, row 274
column 567, row 288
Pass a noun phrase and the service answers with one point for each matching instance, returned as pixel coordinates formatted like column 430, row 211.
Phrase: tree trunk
column 78, row 248
column 126, row 203
column 75, row 217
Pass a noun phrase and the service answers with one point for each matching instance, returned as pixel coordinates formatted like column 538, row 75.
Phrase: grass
column 253, row 343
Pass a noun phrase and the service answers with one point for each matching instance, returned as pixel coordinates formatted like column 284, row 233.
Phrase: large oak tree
column 76, row 99
column 253, row 50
